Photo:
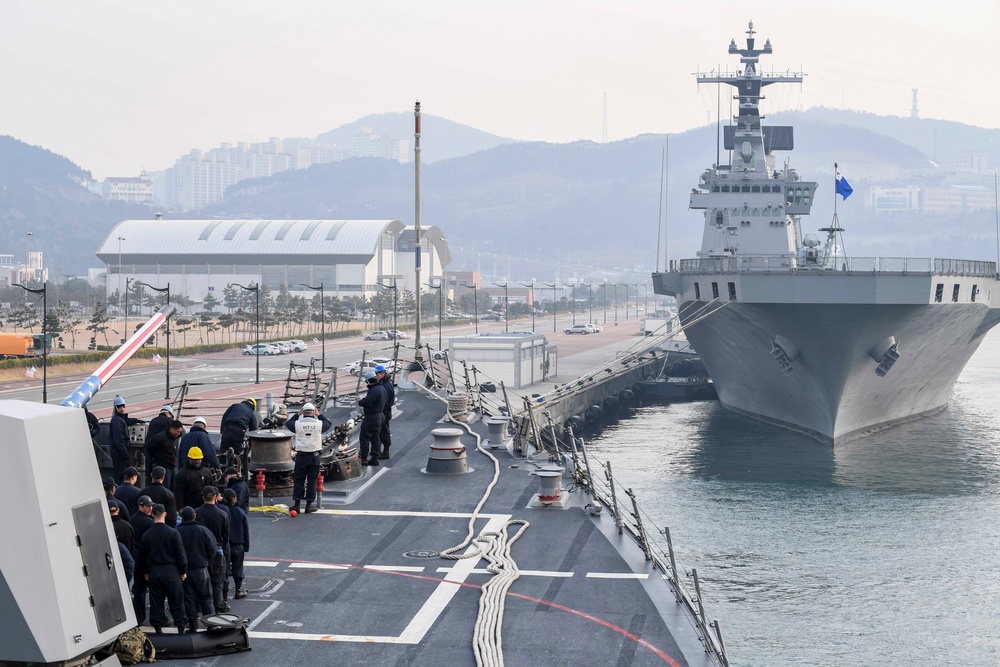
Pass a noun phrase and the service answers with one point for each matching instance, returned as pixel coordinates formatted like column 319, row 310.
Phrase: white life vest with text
column 308, row 434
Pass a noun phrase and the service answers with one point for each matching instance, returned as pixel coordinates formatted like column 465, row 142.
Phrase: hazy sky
column 119, row 85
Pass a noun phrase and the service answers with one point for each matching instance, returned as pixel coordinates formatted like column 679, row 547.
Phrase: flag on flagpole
column 156, row 358
column 844, row 188
column 30, row 372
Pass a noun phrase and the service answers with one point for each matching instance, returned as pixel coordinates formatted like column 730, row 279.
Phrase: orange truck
column 16, row 345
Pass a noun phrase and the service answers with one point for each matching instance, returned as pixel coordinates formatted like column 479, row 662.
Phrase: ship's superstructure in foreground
column 791, row 330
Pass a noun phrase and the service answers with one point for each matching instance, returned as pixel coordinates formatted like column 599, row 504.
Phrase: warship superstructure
column 793, row 331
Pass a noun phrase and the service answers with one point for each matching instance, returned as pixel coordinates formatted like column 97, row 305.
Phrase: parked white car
column 298, row 345
column 356, row 367
column 580, row 329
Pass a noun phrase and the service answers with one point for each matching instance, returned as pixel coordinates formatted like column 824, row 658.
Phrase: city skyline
column 118, row 87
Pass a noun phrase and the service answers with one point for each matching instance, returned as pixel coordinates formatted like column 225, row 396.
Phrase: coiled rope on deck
column 495, row 547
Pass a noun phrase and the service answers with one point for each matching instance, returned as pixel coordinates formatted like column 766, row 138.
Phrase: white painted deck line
column 616, row 575
column 432, row 608
column 318, row 566
column 524, row 573
column 395, row 568
column 259, row 563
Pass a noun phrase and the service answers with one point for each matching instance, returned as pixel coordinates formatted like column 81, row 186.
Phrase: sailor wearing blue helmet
column 384, row 436
column 373, row 405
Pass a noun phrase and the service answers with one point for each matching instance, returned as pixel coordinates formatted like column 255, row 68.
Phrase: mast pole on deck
column 416, row 222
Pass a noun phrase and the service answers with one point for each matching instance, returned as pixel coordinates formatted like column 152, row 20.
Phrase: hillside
column 441, row 139
column 582, row 202
column 43, row 193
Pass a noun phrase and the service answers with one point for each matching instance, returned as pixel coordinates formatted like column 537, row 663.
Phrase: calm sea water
column 883, row 551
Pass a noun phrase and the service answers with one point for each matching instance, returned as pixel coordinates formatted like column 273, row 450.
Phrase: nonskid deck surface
column 354, row 584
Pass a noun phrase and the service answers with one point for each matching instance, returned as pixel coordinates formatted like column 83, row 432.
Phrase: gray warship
column 793, row 331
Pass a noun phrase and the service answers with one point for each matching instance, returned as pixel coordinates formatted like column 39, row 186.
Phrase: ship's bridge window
column 697, row 292
column 732, row 291
column 746, row 188
column 755, row 188
column 975, row 290
column 725, row 188
column 715, row 290
column 715, row 188
column 954, row 292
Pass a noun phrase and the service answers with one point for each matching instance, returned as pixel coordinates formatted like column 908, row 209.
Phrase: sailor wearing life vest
column 308, row 427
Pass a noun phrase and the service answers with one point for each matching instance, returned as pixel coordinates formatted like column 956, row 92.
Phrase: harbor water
column 880, row 551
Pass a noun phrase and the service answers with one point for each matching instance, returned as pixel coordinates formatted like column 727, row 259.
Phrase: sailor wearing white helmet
column 308, row 426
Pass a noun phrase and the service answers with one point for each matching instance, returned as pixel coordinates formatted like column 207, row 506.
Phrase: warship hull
column 831, row 389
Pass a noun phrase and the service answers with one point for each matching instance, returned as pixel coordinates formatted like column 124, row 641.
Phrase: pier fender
column 576, row 423
column 611, row 407
column 594, row 418
column 626, row 400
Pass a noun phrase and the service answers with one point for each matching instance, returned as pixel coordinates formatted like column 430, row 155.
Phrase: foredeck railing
column 863, row 265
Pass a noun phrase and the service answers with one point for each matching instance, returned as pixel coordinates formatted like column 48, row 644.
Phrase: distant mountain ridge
column 441, row 139
column 543, row 202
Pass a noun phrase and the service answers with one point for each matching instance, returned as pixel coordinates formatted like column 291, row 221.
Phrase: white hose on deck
column 495, row 548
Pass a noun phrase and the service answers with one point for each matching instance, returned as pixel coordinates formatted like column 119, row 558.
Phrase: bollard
column 447, row 455
column 319, row 489
column 260, row 486
column 550, row 493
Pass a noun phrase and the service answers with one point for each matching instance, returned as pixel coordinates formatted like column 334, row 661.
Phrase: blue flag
column 844, row 188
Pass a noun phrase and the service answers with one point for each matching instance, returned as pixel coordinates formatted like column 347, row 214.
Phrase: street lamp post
column 475, row 302
column 553, row 286
column 571, row 284
column 590, row 288
column 322, row 318
column 395, row 302
column 167, row 290
column 506, row 307
column 626, row 300
column 604, row 301
column 127, row 281
column 615, row 285
column 255, row 288
column 531, row 300
column 440, row 288
column 120, row 239
column 45, row 334
column 645, row 299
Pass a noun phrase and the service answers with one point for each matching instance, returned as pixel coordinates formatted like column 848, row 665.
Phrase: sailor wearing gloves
column 308, row 427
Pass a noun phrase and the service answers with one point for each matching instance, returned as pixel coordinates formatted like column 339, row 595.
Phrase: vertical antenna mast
column 604, row 127
column 416, row 222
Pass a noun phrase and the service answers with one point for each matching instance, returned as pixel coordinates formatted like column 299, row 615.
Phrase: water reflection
column 952, row 452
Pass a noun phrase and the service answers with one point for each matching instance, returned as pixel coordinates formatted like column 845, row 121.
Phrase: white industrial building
column 198, row 257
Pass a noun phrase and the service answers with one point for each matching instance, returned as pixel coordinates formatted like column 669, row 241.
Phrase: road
column 229, row 376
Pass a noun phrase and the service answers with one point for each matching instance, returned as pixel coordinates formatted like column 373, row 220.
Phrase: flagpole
column 835, row 171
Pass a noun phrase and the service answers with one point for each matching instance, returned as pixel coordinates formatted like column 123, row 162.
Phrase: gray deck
column 345, row 586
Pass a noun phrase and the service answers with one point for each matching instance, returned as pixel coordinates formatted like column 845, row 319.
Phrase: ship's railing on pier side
column 609, row 494
column 872, row 265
